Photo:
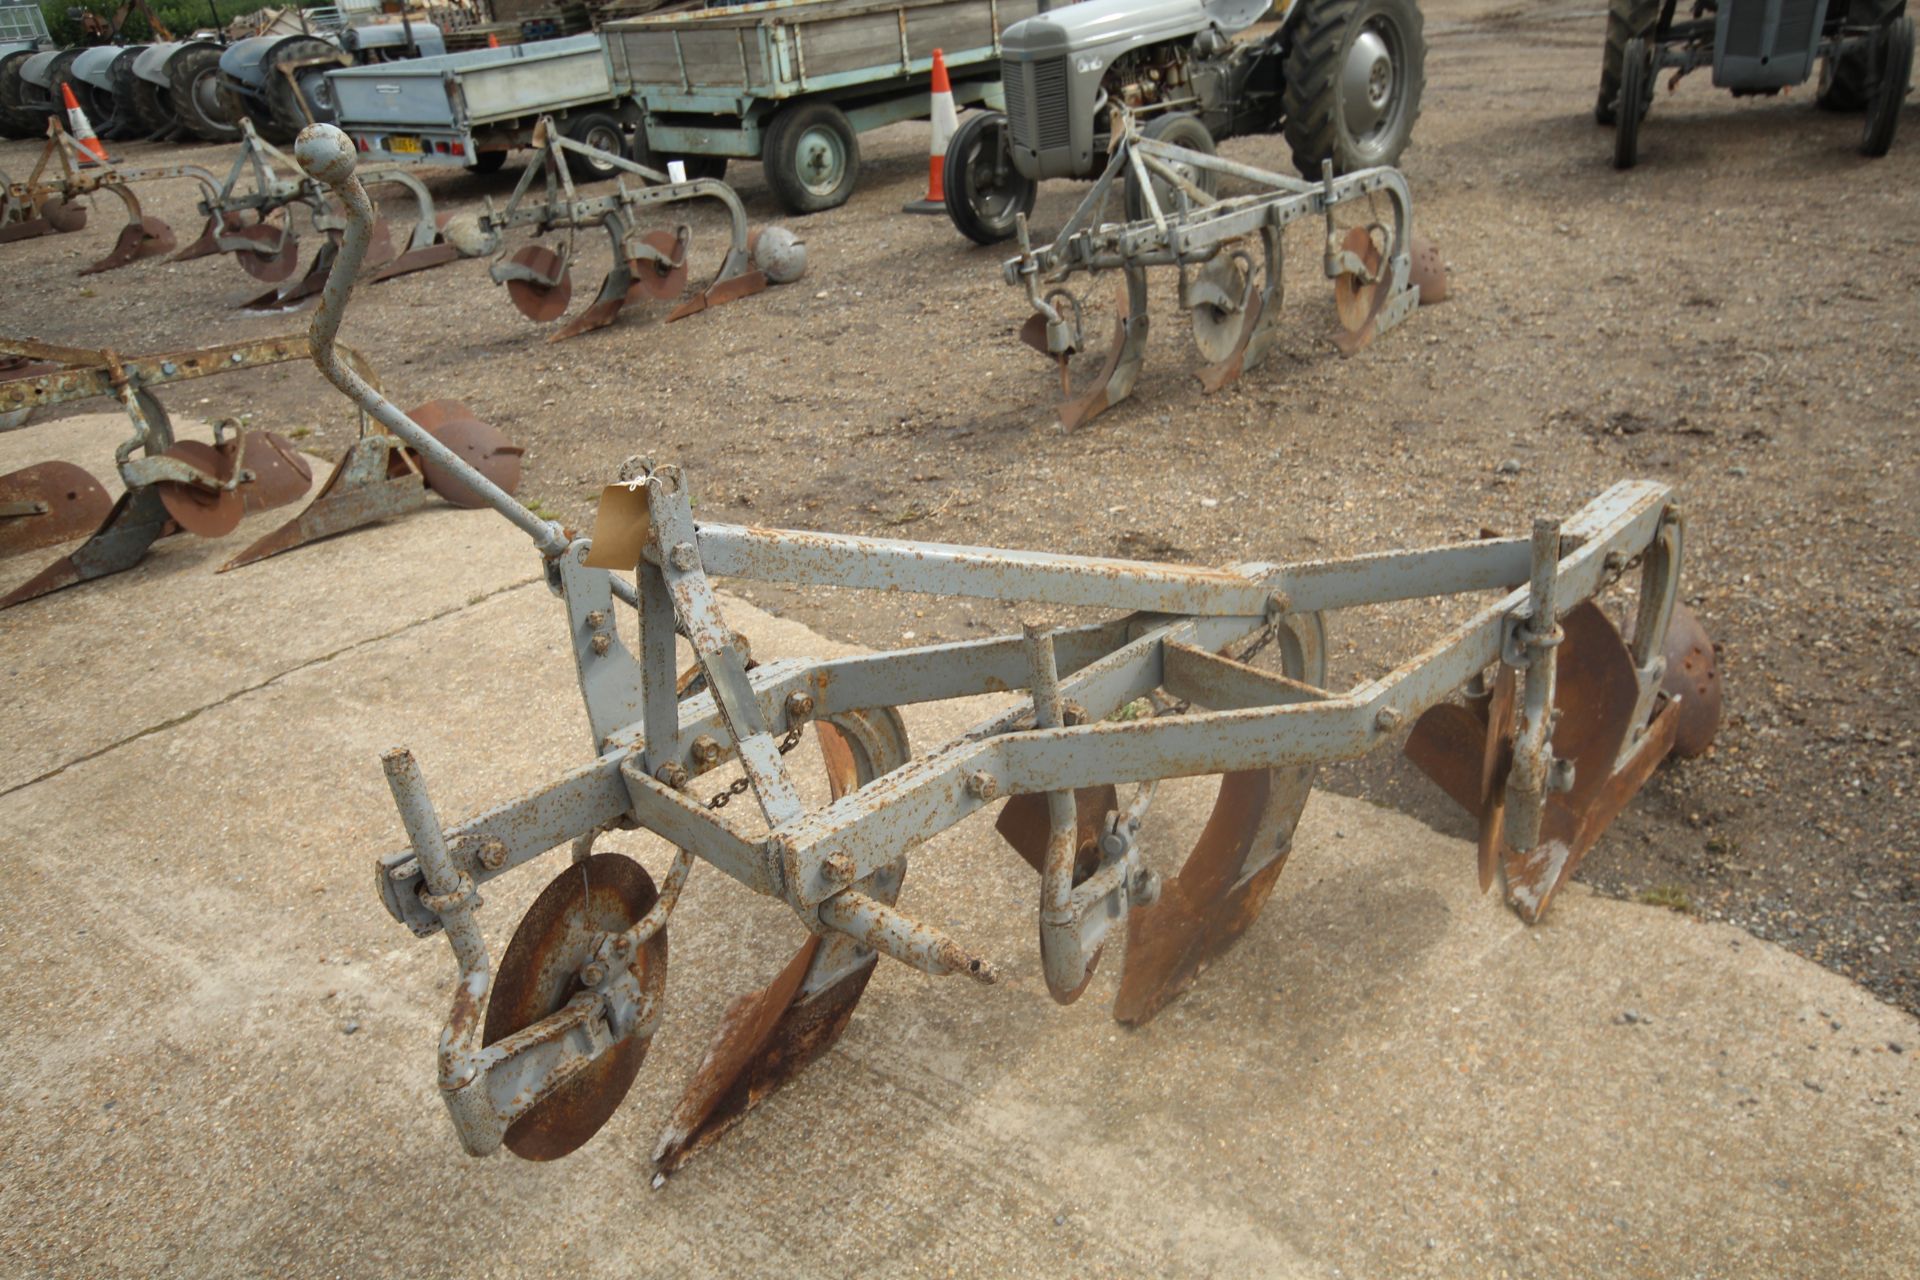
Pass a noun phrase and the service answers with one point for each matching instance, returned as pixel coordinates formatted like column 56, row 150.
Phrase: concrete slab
column 219, row 1049
column 170, row 637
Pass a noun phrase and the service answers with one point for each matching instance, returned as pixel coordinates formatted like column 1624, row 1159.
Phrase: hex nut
column 493, row 853
column 601, row 643
column 671, row 775
column 983, row 786
column 706, row 749
column 799, row 706
column 593, row 973
column 683, row 557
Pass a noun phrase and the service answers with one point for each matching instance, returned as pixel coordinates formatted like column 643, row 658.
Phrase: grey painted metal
column 831, row 863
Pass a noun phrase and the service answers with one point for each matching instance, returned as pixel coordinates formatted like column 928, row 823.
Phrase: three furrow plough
column 1197, row 673
column 647, row 265
column 1228, row 251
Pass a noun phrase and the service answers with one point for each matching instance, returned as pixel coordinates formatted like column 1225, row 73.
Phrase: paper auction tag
column 621, row 527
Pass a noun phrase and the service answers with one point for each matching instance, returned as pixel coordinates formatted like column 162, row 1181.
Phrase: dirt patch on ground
column 1735, row 318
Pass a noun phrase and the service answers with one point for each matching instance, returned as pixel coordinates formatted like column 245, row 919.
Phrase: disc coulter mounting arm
column 1064, row 741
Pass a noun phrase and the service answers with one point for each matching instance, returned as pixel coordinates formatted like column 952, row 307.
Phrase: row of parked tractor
column 197, row 88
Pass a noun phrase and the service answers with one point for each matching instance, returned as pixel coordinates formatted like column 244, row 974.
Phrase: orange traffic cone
column 82, row 131
column 493, row 39
column 945, row 121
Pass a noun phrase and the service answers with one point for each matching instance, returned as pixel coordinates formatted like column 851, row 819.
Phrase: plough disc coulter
column 647, row 265
column 1228, row 253
column 1195, row 674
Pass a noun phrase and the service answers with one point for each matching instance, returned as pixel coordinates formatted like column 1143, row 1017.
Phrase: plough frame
column 542, row 1084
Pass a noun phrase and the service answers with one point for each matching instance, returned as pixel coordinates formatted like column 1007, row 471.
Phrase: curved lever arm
column 327, row 155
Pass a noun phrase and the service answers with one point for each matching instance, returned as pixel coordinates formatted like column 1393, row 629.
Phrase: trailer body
column 458, row 107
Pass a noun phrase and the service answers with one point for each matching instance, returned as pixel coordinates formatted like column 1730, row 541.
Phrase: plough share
column 537, row 1053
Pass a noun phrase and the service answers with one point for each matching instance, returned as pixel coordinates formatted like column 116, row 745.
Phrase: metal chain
column 739, row 785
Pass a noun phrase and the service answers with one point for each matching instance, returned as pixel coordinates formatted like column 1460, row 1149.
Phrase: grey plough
column 1228, row 251
column 250, row 214
column 539, row 1051
column 647, row 265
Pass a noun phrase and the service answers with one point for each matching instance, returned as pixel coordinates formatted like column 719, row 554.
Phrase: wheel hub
column 820, row 161
column 1368, row 82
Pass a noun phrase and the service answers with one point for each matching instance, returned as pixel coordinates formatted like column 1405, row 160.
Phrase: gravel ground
column 1736, row 318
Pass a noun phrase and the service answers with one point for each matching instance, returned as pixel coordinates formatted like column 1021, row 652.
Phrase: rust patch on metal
column 1693, row 678
column 49, row 503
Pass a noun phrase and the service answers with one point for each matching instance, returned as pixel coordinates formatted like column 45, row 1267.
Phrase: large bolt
column 1072, row 713
column 799, row 706
column 683, row 557
column 1144, row 891
column 1387, row 719
column 706, row 749
column 838, row 868
column 597, row 619
column 983, row 786
column 601, row 643
column 671, row 775
column 593, row 973
column 493, row 853
column 1279, row 604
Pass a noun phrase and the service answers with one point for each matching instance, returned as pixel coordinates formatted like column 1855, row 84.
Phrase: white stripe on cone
column 82, row 130
column 945, row 121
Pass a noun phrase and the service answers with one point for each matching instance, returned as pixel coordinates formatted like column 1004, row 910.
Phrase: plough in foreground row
column 537, row 1053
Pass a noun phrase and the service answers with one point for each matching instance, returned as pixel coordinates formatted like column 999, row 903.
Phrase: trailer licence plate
column 404, row 145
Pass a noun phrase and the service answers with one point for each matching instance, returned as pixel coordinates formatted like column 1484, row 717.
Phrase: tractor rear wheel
column 194, row 74
column 17, row 121
column 1354, row 76
column 1894, row 63
column 313, row 103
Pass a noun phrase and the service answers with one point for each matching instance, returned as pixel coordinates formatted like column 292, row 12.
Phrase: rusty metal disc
column 75, row 503
column 482, row 447
column 1354, row 300
column 1693, row 677
column 211, row 513
column 64, row 215
column 1428, row 270
column 280, row 471
column 435, row 414
column 1219, row 297
column 606, row 893
column 276, row 257
column 653, row 280
column 769, row 1036
column 1092, row 382
column 1231, row 868
column 536, row 301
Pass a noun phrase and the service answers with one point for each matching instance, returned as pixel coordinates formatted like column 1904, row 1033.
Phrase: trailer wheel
column 1846, row 79
column 812, row 157
column 15, row 120
column 984, row 192
column 1177, row 129
column 1636, row 95
column 1354, row 77
column 283, row 102
column 194, row 74
column 602, row 132
column 1895, row 63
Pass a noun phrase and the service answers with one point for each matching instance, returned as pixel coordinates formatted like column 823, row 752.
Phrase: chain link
column 739, row 785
